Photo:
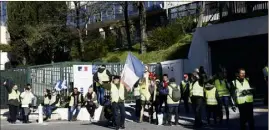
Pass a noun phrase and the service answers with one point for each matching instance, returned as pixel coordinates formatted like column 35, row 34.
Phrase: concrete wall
column 199, row 51
column 4, row 37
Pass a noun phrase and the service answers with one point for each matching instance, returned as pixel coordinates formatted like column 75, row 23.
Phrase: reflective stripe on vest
column 240, row 99
column 211, row 96
column 222, row 88
column 117, row 93
column 14, row 95
column 197, row 90
column 103, row 76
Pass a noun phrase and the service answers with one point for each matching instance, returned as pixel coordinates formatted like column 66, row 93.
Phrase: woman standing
column 91, row 102
column 144, row 95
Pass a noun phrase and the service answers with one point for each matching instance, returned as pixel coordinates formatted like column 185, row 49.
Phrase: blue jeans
column 100, row 95
column 48, row 110
column 71, row 111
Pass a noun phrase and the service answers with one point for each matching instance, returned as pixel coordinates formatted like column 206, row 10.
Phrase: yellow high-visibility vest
column 144, row 92
column 222, row 88
column 184, row 85
column 210, row 96
column 240, row 99
column 14, row 95
column 197, row 90
column 46, row 100
column 117, row 93
column 103, row 76
column 72, row 100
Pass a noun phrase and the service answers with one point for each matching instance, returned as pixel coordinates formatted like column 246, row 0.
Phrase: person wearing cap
column 223, row 88
column 13, row 101
column 243, row 95
column 118, row 94
column 211, row 98
column 101, row 77
column 75, row 102
column 185, row 92
column 26, row 100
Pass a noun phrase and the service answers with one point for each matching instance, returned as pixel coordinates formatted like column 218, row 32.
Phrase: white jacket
column 26, row 98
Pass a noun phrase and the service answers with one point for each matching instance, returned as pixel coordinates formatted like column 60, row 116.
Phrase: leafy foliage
column 163, row 37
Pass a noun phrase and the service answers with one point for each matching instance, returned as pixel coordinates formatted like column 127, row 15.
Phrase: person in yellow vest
column 224, row 93
column 54, row 103
column 153, row 100
column 101, row 77
column 26, row 100
column 197, row 98
column 144, row 96
column 91, row 102
column 137, row 100
column 118, row 94
column 243, row 94
column 75, row 102
column 265, row 73
column 211, row 98
column 185, row 92
column 172, row 103
column 46, row 103
column 13, row 101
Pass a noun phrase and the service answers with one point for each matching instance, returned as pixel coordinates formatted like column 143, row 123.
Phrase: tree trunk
column 142, row 21
column 127, row 25
column 80, row 43
column 200, row 19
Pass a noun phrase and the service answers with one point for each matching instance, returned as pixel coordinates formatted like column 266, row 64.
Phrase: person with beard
column 102, row 77
column 75, row 102
column 13, row 101
column 197, row 98
column 243, row 94
column 46, row 103
column 54, row 103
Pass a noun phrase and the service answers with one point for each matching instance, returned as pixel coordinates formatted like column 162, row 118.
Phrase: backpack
column 176, row 94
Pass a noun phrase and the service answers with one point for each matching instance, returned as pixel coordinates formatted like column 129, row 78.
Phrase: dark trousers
column 163, row 99
column 137, row 107
column 172, row 110
column 115, row 108
column 212, row 109
column 186, row 104
column 197, row 103
column 25, row 114
column 13, row 110
column 91, row 109
column 154, row 107
column 224, row 101
column 246, row 116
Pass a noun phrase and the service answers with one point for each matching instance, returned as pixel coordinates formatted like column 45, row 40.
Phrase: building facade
column 4, row 35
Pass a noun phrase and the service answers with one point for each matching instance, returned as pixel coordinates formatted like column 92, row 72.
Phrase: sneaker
column 122, row 127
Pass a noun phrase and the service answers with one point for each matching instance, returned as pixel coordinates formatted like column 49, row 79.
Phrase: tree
column 142, row 29
column 83, row 12
column 127, row 25
column 201, row 14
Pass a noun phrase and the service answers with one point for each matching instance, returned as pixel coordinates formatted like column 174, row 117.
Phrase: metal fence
column 43, row 77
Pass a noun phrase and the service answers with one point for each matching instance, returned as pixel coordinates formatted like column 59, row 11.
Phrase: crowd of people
column 160, row 96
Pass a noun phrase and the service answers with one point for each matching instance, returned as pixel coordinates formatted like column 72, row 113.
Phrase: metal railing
column 43, row 77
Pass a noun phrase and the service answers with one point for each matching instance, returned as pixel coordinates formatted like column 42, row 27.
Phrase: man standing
column 163, row 92
column 244, row 99
column 223, row 92
column 76, row 99
column 101, row 78
column 13, row 102
column 26, row 100
column 197, row 98
column 118, row 94
column 185, row 92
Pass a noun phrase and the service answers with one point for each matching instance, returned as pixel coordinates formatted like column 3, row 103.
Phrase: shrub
column 113, row 59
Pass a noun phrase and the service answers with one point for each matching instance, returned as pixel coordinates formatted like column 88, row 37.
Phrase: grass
column 178, row 50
